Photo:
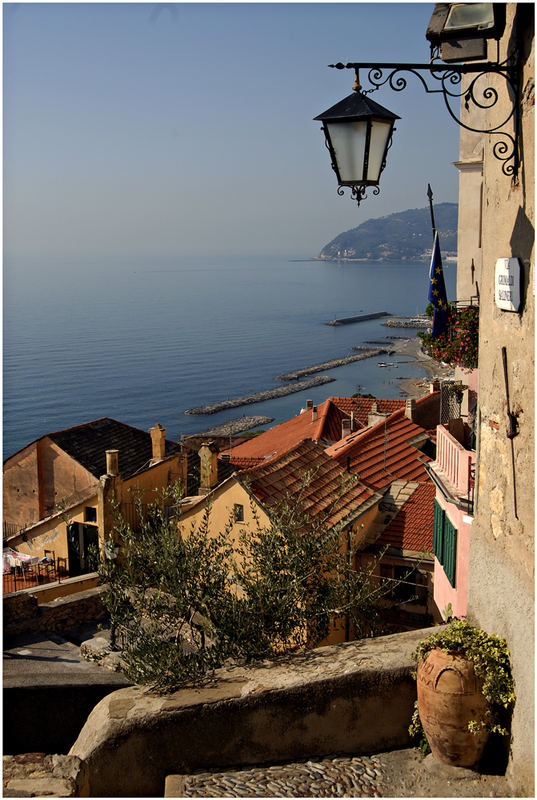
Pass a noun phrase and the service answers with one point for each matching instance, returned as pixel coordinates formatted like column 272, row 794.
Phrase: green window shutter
column 450, row 551
column 438, row 532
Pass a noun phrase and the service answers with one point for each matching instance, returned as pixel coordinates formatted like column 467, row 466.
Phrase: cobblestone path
column 358, row 776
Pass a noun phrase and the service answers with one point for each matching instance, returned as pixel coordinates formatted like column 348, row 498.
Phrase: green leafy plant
column 182, row 602
column 417, row 733
column 459, row 344
column 489, row 655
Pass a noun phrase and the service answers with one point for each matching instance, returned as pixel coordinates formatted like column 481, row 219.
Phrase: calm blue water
column 143, row 341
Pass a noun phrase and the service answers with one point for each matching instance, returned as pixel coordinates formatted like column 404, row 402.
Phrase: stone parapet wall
column 352, row 698
column 23, row 614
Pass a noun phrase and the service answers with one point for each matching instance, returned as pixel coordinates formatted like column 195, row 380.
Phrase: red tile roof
column 361, row 406
column 327, row 426
column 307, row 474
column 381, row 454
column 412, row 526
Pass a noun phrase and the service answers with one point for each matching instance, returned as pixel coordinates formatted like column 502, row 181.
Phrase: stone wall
column 352, row 698
column 501, row 568
column 41, row 775
column 22, row 613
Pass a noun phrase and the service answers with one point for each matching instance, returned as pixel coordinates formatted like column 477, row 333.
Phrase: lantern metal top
column 356, row 106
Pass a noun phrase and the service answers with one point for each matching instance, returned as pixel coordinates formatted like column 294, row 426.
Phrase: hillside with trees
column 403, row 236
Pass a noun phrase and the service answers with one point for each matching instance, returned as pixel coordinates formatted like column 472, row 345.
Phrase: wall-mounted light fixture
column 358, row 134
column 345, row 124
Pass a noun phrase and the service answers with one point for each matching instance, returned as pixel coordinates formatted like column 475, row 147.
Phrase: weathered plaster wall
column 21, row 487
column 501, row 569
column 39, row 477
column 62, row 476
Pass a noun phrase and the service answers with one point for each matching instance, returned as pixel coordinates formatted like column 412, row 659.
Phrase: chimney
column 346, row 427
column 375, row 415
column 112, row 462
column 353, row 422
column 410, row 408
column 158, row 443
column 309, row 405
column 313, row 413
column 434, row 386
column 208, row 454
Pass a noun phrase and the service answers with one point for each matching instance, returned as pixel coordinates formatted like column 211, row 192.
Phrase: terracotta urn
column 449, row 696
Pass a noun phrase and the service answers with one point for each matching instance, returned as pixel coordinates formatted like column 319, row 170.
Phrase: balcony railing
column 455, row 466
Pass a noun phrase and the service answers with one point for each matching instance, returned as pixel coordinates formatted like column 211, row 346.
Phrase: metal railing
column 28, row 577
column 13, row 528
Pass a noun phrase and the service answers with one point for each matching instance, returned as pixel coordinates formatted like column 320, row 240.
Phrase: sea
column 142, row 340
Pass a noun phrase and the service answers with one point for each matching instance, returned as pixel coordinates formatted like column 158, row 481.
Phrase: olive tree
column 182, row 602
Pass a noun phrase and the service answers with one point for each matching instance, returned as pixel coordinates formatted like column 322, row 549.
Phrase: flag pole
column 430, row 196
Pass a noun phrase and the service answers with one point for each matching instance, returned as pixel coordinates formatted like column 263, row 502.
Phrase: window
column 238, row 512
column 90, row 514
column 407, row 584
column 445, row 542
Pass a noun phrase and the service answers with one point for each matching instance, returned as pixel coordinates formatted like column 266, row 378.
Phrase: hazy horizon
column 156, row 130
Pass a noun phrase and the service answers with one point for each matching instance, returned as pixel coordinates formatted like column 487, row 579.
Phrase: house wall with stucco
column 39, row 477
column 21, row 487
column 501, row 563
column 444, row 593
column 221, row 503
column 153, row 481
column 51, row 532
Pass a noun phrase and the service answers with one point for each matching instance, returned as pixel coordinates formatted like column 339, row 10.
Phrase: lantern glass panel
column 348, row 142
column 380, row 134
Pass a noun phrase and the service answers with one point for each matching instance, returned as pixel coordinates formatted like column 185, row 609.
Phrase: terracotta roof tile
column 326, row 426
column 381, row 453
column 412, row 526
column 361, row 406
column 305, row 472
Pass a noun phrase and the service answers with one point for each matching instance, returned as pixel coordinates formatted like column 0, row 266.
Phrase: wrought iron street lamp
column 358, row 134
column 358, row 131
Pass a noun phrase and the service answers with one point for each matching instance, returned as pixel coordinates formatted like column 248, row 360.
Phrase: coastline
column 418, row 387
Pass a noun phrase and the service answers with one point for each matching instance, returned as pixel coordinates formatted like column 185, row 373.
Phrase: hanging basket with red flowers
column 458, row 345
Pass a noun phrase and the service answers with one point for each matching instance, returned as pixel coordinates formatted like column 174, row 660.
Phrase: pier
column 357, row 318
column 270, row 394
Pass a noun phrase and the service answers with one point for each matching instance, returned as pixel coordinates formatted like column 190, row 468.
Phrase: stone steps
column 333, row 776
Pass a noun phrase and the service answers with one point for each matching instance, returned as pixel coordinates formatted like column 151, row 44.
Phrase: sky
column 169, row 129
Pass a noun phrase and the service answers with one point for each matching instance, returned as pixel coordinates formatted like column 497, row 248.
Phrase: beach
column 418, row 387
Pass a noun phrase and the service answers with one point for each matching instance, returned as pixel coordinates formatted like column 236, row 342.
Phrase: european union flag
column 437, row 291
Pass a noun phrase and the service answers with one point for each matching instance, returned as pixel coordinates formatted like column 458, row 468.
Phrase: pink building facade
column 453, row 474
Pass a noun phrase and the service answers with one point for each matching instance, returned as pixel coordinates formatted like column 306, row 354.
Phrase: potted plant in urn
column 464, row 685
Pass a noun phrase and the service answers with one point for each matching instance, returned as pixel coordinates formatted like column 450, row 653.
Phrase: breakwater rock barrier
column 357, row 318
column 235, row 426
column 365, row 352
column 270, row 394
column 412, row 322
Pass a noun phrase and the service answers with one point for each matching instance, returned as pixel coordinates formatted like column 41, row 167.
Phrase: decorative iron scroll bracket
column 477, row 93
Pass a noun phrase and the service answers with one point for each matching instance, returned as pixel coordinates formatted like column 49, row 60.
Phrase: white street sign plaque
column 507, row 284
